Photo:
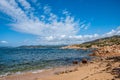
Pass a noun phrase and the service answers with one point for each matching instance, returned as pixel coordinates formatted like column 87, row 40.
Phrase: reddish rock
column 84, row 61
column 75, row 62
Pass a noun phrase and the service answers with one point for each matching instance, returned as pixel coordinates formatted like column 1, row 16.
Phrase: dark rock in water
column 75, row 62
column 84, row 61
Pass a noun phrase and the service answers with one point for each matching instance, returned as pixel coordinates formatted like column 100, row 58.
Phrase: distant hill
column 40, row 46
column 108, row 41
column 30, row 46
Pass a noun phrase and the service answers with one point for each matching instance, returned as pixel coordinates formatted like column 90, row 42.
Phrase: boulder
column 84, row 61
column 75, row 62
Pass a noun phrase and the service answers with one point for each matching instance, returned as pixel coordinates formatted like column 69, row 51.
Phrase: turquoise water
column 16, row 59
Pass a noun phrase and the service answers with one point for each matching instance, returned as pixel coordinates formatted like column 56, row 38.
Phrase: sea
column 13, row 60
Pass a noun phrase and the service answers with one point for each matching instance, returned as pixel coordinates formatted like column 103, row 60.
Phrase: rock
column 116, row 71
column 70, row 70
column 111, row 50
column 76, row 69
column 75, row 62
column 109, row 65
column 113, row 79
column 108, row 68
column 84, row 61
column 91, row 61
column 67, row 71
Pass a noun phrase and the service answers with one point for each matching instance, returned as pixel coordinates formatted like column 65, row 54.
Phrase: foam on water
column 37, row 71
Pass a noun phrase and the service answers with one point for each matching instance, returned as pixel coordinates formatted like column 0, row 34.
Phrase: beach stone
column 67, row 71
column 62, row 72
column 108, row 68
column 116, row 71
column 113, row 79
column 70, row 70
column 84, row 61
column 109, row 64
column 76, row 69
column 75, row 62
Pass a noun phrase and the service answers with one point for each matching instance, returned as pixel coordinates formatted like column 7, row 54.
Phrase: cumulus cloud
column 63, row 39
column 49, row 27
column 77, row 39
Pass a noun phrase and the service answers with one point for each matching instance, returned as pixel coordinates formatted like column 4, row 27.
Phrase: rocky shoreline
column 107, row 51
column 105, row 66
column 100, row 68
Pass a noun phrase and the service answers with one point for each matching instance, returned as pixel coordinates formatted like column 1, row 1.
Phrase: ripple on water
column 15, row 60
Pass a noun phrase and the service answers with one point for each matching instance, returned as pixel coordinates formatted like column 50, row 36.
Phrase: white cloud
column 25, row 4
column 77, row 39
column 49, row 27
column 31, row 24
column 11, row 9
column 63, row 39
column 3, row 42
column 47, row 24
column 113, row 32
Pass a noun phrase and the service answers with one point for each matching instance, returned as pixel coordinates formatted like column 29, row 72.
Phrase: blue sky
column 55, row 22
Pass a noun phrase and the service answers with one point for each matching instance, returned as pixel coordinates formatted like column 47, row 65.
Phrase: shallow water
column 16, row 59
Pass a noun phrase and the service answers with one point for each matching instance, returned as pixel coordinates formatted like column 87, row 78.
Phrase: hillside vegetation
column 108, row 41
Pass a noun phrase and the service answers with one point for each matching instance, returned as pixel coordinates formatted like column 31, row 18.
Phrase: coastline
column 96, row 69
column 104, row 66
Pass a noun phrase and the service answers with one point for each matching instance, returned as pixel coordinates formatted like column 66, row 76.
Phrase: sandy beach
column 59, row 39
column 97, row 69
column 104, row 66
